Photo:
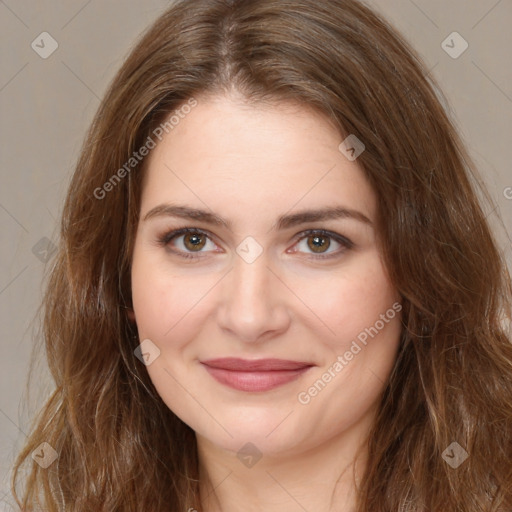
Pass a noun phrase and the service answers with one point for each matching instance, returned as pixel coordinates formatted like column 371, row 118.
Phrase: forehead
column 259, row 157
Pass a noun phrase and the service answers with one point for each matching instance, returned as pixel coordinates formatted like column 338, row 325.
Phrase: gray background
column 47, row 104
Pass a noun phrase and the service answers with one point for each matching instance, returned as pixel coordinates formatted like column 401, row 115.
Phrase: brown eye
column 185, row 242
column 193, row 241
column 318, row 243
column 315, row 243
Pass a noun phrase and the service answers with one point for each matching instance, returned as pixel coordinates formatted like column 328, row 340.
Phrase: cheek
column 162, row 300
column 151, row 298
column 350, row 301
column 362, row 311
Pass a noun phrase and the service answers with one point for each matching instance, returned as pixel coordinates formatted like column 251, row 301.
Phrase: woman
column 339, row 341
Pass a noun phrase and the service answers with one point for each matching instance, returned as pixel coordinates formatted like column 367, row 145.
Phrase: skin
column 251, row 164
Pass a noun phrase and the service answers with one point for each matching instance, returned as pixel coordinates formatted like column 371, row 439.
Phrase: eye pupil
column 195, row 240
column 319, row 242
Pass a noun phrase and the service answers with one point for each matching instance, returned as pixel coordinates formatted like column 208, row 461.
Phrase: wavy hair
column 119, row 446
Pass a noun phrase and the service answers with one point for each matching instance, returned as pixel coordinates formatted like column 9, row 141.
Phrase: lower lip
column 255, row 381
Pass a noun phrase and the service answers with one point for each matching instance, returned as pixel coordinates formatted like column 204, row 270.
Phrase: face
column 269, row 325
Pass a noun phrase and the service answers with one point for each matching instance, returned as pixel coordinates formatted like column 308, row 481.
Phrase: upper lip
column 255, row 365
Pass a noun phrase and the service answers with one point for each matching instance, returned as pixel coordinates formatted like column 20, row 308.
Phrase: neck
column 322, row 478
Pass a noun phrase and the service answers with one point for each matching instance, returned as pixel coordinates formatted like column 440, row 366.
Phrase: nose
column 253, row 304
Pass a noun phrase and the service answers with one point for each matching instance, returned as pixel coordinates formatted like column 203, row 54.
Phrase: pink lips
column 254, row 375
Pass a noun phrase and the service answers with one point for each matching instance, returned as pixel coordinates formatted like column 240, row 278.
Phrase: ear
column 131, row 315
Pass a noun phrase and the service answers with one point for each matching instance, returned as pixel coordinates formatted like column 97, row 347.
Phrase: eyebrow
column 283, row 222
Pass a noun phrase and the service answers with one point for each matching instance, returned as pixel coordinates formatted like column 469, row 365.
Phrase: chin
column 266, row 431
column 254, row 441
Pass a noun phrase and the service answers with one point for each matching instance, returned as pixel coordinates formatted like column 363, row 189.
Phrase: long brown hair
column 119, row 446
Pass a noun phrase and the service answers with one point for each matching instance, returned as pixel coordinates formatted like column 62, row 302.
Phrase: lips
column 256, row 365
column 255, row 375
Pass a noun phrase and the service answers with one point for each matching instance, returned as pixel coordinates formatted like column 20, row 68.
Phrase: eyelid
column 343, row 240
column 346, row 243
column 167, row 236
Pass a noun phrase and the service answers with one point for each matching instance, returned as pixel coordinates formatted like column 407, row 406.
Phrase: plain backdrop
column 48, row 103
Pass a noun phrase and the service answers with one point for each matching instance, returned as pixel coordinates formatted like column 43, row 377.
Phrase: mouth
column 255, row 375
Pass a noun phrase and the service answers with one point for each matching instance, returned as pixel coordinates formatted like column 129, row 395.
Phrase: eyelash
column 346, row 244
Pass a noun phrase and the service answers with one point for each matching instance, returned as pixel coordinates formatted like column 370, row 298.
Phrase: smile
column 255, row 375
